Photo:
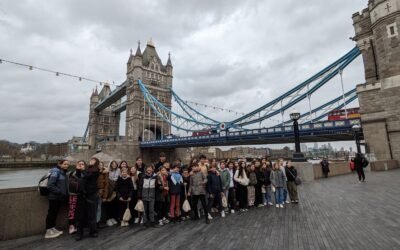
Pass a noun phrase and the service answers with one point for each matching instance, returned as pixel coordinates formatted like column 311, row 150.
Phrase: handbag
column 224, row 201
column 297, row 179
column 263, row 189
column 272, row 189
column 127, row 214
column 139, row 206
column 186, row 204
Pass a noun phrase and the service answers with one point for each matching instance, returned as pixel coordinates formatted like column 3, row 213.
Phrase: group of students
column 98, row 193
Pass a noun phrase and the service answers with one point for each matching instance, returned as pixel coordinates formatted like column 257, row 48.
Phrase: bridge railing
column 274, row 130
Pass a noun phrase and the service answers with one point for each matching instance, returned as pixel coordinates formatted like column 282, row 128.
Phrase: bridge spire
column 169, row 59
column 138, row 51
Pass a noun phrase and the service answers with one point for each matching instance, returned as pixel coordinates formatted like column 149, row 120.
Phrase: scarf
column 176, row 178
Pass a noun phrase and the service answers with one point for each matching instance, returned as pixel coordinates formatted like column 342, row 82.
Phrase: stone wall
column 23, row 213
column 338, row 168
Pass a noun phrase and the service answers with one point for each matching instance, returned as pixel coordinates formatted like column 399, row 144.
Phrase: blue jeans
column 285, row 193
column 267, row 195
column 278, row 195
column 98, row 210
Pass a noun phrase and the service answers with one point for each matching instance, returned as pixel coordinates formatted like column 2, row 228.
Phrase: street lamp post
column 356, row 129
column 298, row 156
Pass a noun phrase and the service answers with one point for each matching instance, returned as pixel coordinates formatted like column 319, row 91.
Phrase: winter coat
column 124, row 188
column 147, row 188
column 242, row 180
column 252, row 179
column 91, row 175
column 291, row 173
column 161, row 193
column 174, row 188
column 57, row 184
column 225, row 178
column 267, row 175
column 102, row 185
column 325, row 166
column 260, row 177
column 214, row 183
column 76, row 182
column 198, row 182
column 277, row 178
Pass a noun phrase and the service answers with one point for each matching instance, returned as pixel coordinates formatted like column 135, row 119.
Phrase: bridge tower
column 141, row 122
column 377, row 36
column 104, row 125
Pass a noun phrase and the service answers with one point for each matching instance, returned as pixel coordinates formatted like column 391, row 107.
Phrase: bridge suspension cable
column 298, row 93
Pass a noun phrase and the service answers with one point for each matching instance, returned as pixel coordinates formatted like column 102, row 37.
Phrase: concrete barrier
column 384, row 165
column 336, row 168
column 23, row 213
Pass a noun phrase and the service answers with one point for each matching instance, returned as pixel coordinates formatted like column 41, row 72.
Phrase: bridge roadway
column 313, row 132
column 333, row 213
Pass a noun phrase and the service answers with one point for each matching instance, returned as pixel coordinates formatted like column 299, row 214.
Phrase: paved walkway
column 334, row 213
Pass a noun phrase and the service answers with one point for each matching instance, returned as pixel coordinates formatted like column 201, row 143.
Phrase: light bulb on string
column 80, row 79
column 1, row 61
column 30, row 68
column 57, row 74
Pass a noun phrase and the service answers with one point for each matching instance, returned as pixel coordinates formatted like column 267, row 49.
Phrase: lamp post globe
column 295, row 115
column 356, row 129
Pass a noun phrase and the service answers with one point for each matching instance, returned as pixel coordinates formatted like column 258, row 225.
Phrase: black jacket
column 214, row 183
column 260, row 177
column 174, row 188
column 267, row 175
column 291, row 173
column 90, row 178
column 124, row 187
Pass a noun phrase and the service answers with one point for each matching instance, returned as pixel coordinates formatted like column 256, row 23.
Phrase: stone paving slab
column 334, row 213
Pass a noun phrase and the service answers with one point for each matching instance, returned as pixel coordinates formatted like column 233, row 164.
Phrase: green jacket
column 226, row 178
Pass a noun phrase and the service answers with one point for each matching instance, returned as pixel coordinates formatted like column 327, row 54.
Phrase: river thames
column 21, row 177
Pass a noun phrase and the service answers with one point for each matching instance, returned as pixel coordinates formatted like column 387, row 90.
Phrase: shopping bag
column 186, row 206
column 127, row 214
column 139, row 206
column 224, row 201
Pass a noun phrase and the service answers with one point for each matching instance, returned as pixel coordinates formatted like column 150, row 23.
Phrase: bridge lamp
column 356, row 129
column 298, row 156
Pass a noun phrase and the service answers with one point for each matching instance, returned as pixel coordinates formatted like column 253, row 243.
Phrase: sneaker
column 165, row 221
column 287, row 202
column 188, row 217
column 265, row 203
column 109, row 223
column 57, row 231
column 281, row 206
column 232, row 211
column 209, row 217
column 136, row 220
column 296, row 201
column 270, row 203
column 51, row 234
column 114, row 221
column 72, row 229
column 260, row 205
column 277, row 205
column 223, row 214
column 245, row 209
column 141, row 221
column 160, row 222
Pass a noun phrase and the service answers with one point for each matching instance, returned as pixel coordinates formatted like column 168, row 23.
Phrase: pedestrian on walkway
column 291, row 174
column 58, row 194
column 360, row 162
column 325, row 167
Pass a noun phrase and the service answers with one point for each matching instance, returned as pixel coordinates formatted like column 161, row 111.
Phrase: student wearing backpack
column 58, row 192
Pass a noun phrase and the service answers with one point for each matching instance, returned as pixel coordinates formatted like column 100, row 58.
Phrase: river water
column 20, row 177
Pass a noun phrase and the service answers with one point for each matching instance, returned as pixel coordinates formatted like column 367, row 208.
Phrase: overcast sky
column 232, row 54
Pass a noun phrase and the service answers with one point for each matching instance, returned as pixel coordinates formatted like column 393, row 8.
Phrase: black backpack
column 365, row 162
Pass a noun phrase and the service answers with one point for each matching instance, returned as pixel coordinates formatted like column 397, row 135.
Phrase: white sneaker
column 109, row 223
column 277, row 205
column 57, row 231
column 281, row 206
column 141, row 220
column 114, row 221
column 270, row 203
column 210, row 217
column 50, row 233
column 136, row 220
column 265, row 203
column 287, row 202
column 223, row 214
column 232, row 211
column 160, row 222
column 260, row 205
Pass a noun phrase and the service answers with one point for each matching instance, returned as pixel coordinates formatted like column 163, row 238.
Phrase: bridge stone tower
column 103, row 125
column 141, row 122
column 377, row 36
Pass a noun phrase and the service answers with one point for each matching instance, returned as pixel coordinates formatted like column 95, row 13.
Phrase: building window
column 392, row 30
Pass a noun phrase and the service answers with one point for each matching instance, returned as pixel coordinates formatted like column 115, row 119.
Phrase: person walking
column 58, row 193
column 360, row 162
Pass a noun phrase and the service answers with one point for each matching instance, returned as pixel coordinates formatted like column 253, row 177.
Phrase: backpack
column 365, row 162
column 42, row 186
